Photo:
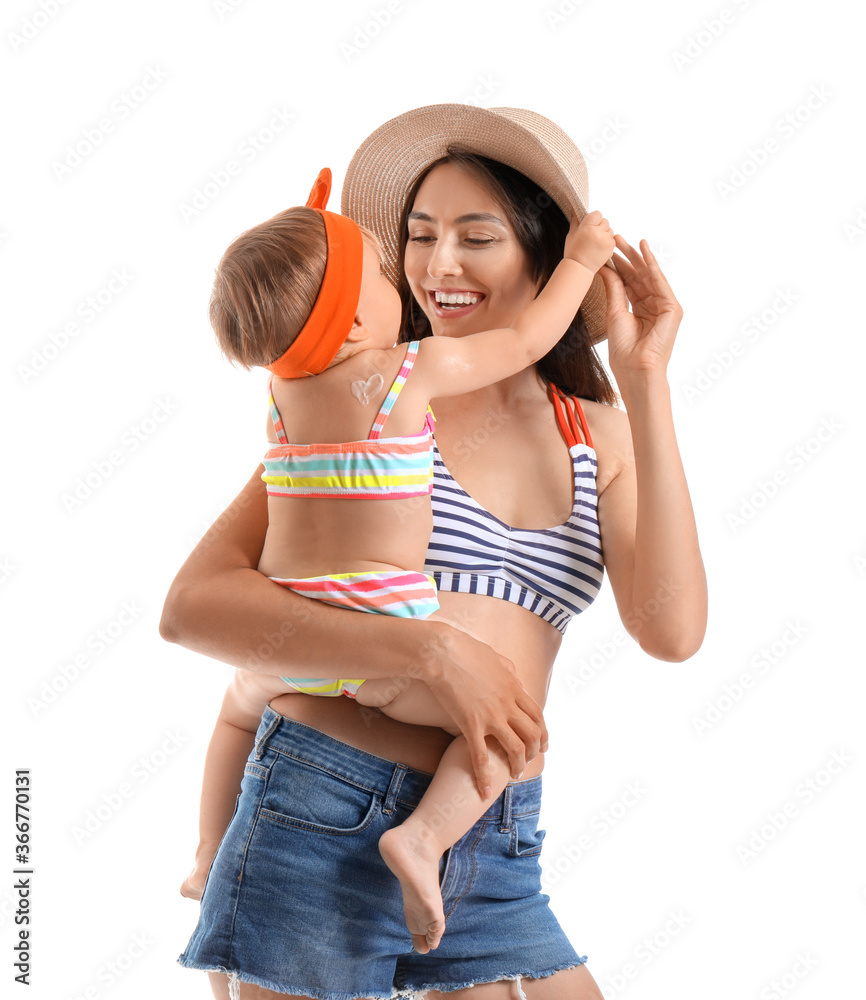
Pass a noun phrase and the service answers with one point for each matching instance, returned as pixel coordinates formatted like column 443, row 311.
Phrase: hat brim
column 389, row 161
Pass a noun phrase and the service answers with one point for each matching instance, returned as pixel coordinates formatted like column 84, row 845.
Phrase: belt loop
column 397, row 776
column 262, row 744
column 505, row 822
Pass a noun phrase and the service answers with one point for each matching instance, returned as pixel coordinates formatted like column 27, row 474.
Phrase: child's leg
column 447, row 810
column 405, row 700
column 233, row 738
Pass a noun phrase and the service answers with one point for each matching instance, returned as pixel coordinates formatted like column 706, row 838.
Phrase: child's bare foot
column 415, row 862
column 193, row 885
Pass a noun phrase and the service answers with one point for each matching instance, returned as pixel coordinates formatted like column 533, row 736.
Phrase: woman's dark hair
column 541, row 227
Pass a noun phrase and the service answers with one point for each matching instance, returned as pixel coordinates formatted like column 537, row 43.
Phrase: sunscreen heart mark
column 362, row 390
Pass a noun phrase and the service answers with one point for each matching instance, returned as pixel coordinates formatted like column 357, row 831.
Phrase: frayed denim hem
column 514, row 976
column 235, row 978
column 407, row 993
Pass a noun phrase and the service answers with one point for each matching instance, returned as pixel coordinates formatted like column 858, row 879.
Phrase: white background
column 666, row 901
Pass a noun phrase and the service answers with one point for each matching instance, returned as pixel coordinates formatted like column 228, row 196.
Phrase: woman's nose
column 444, row 259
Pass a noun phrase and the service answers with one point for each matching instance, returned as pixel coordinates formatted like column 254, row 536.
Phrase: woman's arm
column 648, row 526
column 221, row 606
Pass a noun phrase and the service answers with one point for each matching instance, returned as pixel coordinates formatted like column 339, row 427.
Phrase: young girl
column 307, row 288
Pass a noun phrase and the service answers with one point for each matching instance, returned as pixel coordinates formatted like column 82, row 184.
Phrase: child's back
column 373, row 445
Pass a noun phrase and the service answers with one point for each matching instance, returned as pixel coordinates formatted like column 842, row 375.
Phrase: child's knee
column 496, row 751
column 246, row 698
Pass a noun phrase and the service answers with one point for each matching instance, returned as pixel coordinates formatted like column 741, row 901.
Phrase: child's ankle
column 424, row 838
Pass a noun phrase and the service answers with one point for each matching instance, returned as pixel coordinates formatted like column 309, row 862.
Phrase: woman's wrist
column 426, row 650
column 640, row 387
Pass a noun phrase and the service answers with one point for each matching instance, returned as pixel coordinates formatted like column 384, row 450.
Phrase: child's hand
column 591, row 243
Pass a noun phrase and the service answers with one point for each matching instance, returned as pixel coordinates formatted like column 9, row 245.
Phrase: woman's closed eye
column 472, row 240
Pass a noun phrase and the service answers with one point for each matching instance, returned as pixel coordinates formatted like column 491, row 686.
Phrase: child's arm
column 451, row 366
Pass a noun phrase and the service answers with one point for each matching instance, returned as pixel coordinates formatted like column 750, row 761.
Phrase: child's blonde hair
column 267, row 283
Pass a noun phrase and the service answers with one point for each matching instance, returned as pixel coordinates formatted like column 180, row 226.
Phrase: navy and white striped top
column 554, row 572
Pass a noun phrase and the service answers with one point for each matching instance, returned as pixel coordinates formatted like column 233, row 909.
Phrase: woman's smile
column 450, row 303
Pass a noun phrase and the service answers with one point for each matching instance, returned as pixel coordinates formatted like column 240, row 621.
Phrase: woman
column 297, row 901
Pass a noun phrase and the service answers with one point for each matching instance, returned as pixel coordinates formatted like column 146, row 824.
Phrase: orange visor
column 329, row 323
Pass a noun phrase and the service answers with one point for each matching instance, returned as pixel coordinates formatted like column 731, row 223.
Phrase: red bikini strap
column 584, row 426
column 566, row 419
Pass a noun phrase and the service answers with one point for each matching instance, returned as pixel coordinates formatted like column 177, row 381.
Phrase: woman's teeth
column 456, row 298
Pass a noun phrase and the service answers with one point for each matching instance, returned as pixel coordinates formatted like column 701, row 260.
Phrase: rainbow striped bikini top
column 379, row 468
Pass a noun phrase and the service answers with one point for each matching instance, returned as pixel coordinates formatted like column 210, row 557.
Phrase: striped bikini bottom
column 403, row 593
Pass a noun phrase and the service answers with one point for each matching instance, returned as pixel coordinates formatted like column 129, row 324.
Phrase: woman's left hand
column 640, row 341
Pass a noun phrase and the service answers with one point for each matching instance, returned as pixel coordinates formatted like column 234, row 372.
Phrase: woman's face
column 462, row 245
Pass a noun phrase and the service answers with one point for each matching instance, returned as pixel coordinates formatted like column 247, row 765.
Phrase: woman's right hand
column 488, row 700
column 590, row 243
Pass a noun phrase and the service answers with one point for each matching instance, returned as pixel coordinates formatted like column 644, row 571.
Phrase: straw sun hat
column 389, row 161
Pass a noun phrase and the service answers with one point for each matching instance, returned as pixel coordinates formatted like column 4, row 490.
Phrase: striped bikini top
column 553, row 572
column 378, row 468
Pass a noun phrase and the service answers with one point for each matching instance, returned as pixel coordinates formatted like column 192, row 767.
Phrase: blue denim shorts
column 299, row 900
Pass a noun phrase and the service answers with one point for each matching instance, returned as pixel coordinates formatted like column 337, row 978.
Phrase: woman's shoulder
column 611, row 438
column 605, row 421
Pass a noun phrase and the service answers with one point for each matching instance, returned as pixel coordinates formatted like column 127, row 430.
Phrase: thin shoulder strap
column 394, row 392
column 565, row 417
column 584, row 426
column 275, row 416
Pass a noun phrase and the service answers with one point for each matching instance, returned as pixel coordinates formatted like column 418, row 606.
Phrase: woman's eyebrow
column 470, row 217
